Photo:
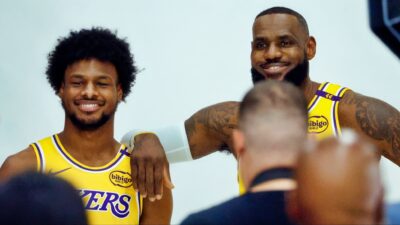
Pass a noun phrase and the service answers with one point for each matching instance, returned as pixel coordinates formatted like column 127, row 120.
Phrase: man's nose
column 272, row 52
column 90, row 90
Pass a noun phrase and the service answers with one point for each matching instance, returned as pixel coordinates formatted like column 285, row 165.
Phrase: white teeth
column 88, row 107
column 275, row 67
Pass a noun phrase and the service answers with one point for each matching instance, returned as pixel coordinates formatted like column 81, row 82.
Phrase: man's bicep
column 15, row 164
column 210, row 129
column 380, row 122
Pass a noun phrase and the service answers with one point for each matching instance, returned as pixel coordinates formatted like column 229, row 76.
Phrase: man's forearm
column 206, row 131
column 210, row 129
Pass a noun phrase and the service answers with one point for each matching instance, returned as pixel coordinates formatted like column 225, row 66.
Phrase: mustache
column 296, row 76
column 268, row 62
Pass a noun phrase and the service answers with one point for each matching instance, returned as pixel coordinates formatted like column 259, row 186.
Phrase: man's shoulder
column 355, row 107
column 23, row 156
column 24, row 160
column 352, row 98
column 352, row 101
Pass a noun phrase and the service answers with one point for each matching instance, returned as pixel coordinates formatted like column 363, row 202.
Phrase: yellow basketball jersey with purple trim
column 106, row 191
column 323, row 118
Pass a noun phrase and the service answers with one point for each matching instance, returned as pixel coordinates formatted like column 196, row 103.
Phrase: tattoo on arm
column 221, row 119
column 379, row 121
column 216, row 121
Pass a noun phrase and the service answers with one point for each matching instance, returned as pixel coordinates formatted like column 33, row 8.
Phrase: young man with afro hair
column 92, row 70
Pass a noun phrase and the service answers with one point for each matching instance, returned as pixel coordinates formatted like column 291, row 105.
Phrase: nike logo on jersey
column 58, row 172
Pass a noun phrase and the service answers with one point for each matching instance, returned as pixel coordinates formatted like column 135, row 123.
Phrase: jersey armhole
column 340, row 94
column 39, row 157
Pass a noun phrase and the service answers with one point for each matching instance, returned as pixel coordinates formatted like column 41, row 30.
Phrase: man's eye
column 260, row 45
column 102, row 84
column 285, row 43
column 76, row 83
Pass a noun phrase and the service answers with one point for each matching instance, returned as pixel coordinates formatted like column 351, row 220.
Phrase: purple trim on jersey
column 40, row 157
column 316, row 99
column 324, row 94
column 84, row 168
column 140, row 207
column 124, row 151
column 334, row 114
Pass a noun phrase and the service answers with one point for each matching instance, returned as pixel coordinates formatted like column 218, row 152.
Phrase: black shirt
column 266, row 207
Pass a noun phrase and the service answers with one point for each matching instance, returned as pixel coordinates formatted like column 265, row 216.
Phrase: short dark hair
column 270, row 94
column 95, row 43
column 273, row 118
column 39, row 199
column 284, row 10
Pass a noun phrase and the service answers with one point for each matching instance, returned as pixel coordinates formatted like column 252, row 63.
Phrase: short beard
column 84, row 126
column 256, row 76
column 298, row 75
column 295, row 76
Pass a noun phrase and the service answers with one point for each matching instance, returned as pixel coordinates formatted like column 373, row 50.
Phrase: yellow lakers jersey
column 323, row 118
column 106, row 191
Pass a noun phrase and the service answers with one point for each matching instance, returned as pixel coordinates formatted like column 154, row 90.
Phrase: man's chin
column 276, row 76
column 88, row 121
column 89, row 124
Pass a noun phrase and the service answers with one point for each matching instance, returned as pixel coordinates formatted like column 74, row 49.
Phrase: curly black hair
column 95, row 43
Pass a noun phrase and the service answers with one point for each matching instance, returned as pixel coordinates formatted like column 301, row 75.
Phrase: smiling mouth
column 274, row 70
column 88, row 108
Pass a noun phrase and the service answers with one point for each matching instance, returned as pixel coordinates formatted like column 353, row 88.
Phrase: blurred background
column 191, row 54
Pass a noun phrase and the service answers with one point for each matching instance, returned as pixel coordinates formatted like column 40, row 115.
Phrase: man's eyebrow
column 282, row 36
column 76, row 75
column 288, row 36
column 259, row 39
column 102, row 77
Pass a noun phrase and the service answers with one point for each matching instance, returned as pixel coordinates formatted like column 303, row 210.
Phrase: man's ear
column 120, row 92
column 311, row 47
column 238, row 142
column 61, row 90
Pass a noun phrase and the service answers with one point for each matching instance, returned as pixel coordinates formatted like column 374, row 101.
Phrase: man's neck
column 91, row 147
column 309, row 89
column 282, row 184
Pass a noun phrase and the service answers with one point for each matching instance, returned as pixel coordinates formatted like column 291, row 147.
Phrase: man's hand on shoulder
column 149, row 166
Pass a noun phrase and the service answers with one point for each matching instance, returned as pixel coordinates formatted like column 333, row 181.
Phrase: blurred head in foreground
column 34, row 198
column 338, row 183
